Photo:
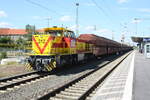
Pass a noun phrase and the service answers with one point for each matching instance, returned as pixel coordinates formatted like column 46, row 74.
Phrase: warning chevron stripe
column 41, row 49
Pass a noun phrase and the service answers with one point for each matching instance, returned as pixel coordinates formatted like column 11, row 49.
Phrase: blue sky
column 112, row 18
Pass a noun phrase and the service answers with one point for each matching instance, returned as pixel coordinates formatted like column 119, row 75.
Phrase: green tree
column 21, row 43
column 3, row 55
column 6, row 40
column 28, row 37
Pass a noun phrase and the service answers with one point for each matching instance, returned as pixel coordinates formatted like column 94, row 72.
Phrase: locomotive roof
column 57, row 29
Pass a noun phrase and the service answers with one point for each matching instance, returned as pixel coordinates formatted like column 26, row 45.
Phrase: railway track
column 81, row 87
column 10, row 82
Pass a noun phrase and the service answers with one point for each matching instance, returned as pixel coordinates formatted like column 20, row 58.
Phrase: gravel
column 40, row 86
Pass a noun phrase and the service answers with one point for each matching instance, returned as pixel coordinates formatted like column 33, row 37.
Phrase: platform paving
column 141, row 83
column 114, row 87
column 129, row 81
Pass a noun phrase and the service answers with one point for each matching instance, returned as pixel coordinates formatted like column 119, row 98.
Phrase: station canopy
column 140, row 39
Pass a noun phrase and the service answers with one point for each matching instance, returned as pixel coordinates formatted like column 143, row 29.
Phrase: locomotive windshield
column 60, row 32
column 55, row 33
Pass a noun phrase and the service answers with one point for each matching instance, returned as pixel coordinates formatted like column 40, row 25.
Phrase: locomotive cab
column 49, row 48
column 55, row 31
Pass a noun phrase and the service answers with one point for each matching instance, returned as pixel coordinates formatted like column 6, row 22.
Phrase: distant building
column 14, row 34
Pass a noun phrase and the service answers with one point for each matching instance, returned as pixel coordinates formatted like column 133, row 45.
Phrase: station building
column 143, row 44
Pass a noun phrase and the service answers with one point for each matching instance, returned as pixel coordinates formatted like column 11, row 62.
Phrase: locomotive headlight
column 38, row 60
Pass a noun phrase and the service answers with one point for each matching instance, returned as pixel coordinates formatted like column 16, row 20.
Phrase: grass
column 12, row 63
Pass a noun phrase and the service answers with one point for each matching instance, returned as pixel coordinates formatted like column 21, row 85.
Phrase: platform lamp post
column 77, row 24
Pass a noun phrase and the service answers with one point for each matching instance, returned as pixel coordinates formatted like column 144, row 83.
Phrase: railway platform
column 129, row 81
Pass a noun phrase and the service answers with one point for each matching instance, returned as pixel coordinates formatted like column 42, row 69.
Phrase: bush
column 5, row 40
column 3, row 55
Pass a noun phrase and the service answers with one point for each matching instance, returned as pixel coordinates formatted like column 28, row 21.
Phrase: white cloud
column 122, row 1
column 5, row 25
column 144, row 10
column 89, row 28
column 99, row 31
column 136, row 21
column 66, row 18
column 3, row 14
column 72, row 27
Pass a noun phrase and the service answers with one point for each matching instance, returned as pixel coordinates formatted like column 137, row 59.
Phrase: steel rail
column 53, row 92
column 17, row 76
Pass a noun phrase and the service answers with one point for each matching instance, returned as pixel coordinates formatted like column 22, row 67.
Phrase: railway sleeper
column 79, row 89
column 53, row 98
column 84, row 85
column 76, row 90
column 80, row 86
column 64, row 97
column 70, row 93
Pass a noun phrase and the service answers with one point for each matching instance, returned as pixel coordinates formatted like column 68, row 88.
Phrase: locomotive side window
column 59, row 33
column 65, row 34
column 71, row 34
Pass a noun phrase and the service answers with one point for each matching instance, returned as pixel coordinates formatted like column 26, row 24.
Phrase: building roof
column 8, row 31
column 140, row 39
column 40, row 30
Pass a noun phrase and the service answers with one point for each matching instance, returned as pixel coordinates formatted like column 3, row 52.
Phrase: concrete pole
column 77, row 24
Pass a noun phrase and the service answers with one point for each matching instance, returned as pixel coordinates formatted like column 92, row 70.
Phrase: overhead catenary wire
column 109, row 21
column 100, row 8
column 108, row 7
column 39, row 5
